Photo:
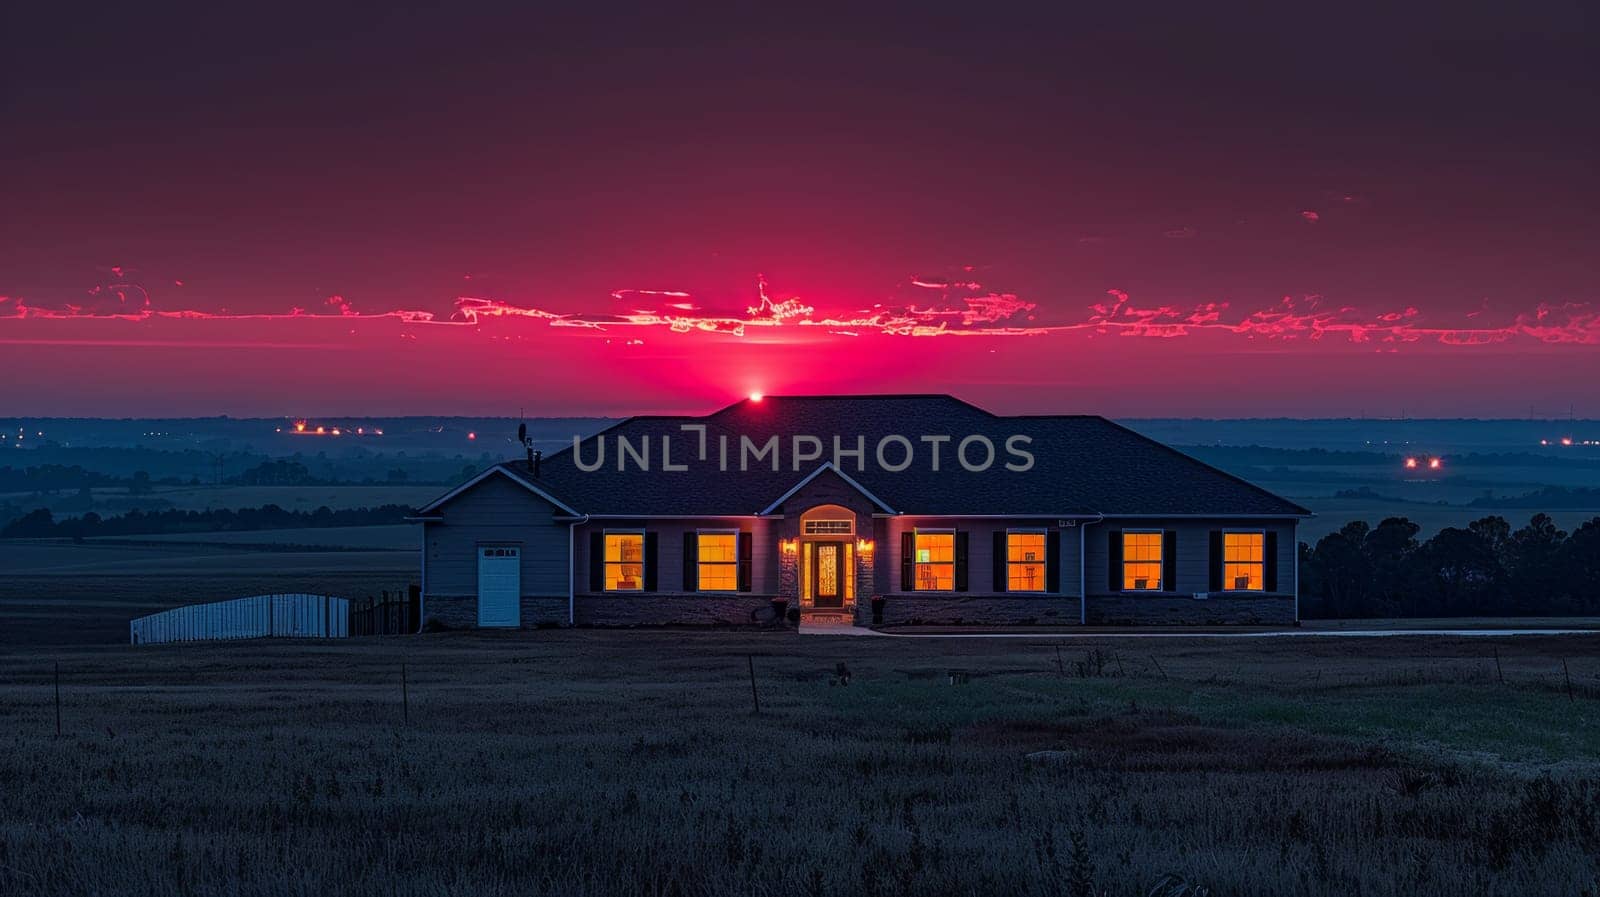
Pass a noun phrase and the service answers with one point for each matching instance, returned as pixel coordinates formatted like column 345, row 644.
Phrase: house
column 950, row 513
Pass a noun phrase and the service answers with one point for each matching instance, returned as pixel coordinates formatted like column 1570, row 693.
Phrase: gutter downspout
column 572, row 572
column 1083, row 566
column 422, row 597
column 1294, row 537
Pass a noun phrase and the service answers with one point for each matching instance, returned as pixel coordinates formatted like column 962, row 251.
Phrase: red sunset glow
column 1129, row 221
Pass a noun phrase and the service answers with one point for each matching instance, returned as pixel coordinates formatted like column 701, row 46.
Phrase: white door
column 499, row 585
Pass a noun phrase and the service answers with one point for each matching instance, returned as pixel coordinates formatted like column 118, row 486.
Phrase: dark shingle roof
column 1083, row 464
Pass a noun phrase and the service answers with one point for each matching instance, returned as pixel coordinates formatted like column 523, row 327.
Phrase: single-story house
column 947, row 513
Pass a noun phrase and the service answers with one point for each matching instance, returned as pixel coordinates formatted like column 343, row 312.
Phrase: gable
column 827, row 486
column 496, row 491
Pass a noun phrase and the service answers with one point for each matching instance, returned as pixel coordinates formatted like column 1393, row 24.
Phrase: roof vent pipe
column 534, row 462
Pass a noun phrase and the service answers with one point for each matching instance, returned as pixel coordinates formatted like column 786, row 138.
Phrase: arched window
column 828, row 520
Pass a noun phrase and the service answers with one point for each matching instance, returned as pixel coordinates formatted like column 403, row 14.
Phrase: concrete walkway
column 847, row 629
column 835, row 629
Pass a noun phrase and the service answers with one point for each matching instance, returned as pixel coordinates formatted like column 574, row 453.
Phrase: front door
column 827, row 584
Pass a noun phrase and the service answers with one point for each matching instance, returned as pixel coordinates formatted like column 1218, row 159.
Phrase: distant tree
column 36, row 523
column 1495, row 531
column 1339, row 576
column 398, row 475
column 1389, row 549
column 1462, row 575
column 280, row 472
column 140, row 484
column 1536, row 579
column 1579, row 564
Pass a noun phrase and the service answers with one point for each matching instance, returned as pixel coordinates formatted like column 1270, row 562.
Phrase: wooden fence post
column 754, row 697
column 1158, row 666
column 58, row 699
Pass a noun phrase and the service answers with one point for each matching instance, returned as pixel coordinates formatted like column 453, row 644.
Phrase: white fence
column 261, row 616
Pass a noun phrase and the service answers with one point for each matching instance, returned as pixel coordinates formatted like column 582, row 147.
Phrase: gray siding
column 980, row 553
column 670, row 604
column 980, row 603
column 1176, row 604
column 495, row 512
column 669, row 543
column 1194, row 551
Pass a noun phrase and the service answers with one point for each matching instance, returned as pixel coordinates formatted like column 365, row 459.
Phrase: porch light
column 864, row 546
column 790, row 546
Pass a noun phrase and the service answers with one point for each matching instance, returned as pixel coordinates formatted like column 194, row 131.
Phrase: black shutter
column 650, row 558
column 908, row 561
column 1114, row 560
column 1000, row 558
column 1270, row 562
column 1169, row 561
column 1216, row 560
column 597, row 562
column 961, row 561
column 747, row 563
column 691, row 562
column 1052, row 561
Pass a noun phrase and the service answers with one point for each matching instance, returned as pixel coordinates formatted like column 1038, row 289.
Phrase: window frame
column 917, row 565
column 1160, row 561
column 1260, row 565
column 1043, row 563
column 700, row 561
column 606, row 563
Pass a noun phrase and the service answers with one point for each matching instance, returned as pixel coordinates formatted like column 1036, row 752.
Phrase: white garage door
column 499, row 585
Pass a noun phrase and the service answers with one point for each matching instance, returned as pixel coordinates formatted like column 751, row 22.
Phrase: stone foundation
column 958, row 610
column 1218, row 610
column 461, row 611
column 670, row 610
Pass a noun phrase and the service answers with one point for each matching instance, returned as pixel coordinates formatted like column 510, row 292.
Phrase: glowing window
column 829, row 527
column 1025, row 559
column 1141, row 561
column 1244, row 562
column 718, row 558
column 624, row 562
column 935, row 561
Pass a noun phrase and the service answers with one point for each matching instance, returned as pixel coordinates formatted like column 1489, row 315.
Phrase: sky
column 1174, row 210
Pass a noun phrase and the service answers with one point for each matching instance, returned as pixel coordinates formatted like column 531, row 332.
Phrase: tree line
column 1484, row 569
column 41, row 524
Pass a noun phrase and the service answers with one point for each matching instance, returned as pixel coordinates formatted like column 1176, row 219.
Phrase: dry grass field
column 56, row 592
column 604, row 762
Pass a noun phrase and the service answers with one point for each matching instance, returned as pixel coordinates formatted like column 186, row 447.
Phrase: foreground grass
column 631, row 762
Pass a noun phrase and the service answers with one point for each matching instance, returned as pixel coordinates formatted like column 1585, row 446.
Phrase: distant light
column 361, row 431
column 299, row 426
column 278, row 430
column 1434, row 463
column 1411, row 463
column 472, row 436
column 756, row 397
column 336, row 431
column 1544, row 442
column 1566, row 440
column 321, row 430
column 379, row 432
